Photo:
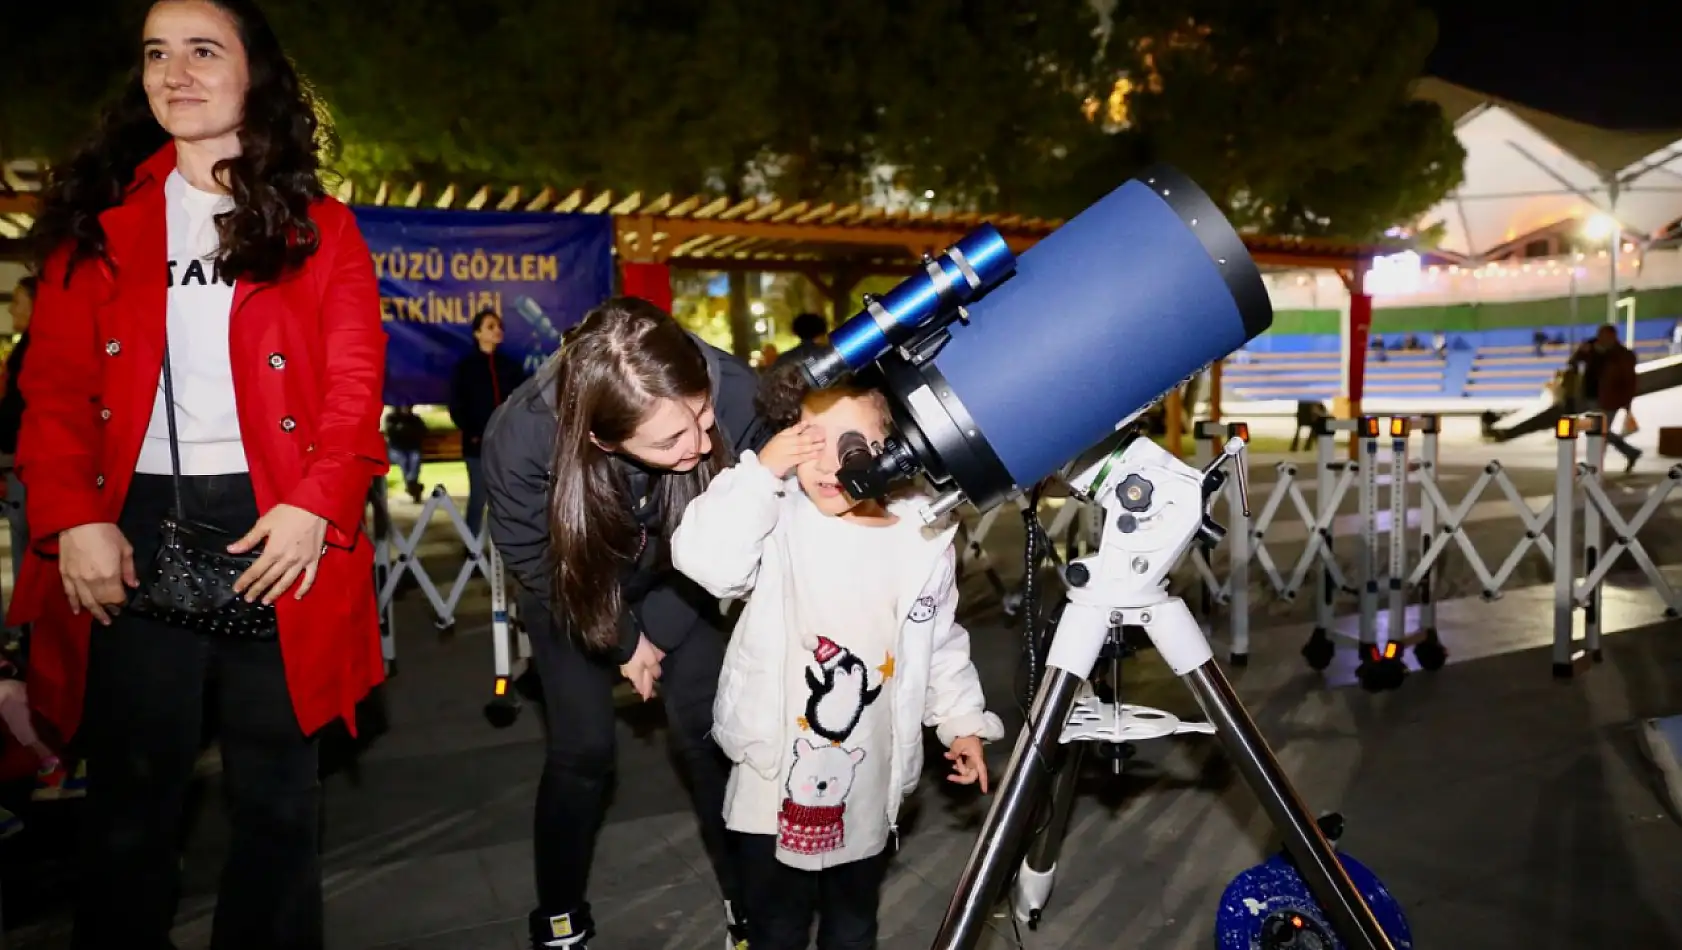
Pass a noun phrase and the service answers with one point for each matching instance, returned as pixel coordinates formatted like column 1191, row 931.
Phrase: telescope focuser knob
column 1135, row 493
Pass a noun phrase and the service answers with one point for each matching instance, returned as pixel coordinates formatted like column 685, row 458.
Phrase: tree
column 1295, row 115
column 61, row 61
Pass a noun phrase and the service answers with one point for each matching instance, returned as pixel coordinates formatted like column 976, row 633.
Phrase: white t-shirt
column 834, row 784
column 200, row 304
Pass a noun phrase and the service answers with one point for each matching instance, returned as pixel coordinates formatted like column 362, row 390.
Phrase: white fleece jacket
column 743, row 536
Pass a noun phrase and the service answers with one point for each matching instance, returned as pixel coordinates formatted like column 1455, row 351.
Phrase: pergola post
column 1173, row 411
column 643, row 271
column 837, row 289
column 1215, row 390
column 1356, row 332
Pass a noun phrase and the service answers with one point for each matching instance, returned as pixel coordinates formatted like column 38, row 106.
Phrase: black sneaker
column 570, row 931
column 735, row 927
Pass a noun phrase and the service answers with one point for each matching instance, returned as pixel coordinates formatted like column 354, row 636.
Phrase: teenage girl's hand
column 96, row 566
column 968, row 765
column 643, row 670
column 801, row 442
column 295, row 541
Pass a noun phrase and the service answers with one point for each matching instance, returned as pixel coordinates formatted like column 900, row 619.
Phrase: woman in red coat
column 195, row 218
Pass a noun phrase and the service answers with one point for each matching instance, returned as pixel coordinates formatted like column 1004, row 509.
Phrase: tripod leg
column 1034, row 879
column 1081, row 632
column 999, row 846
column 1170, row 625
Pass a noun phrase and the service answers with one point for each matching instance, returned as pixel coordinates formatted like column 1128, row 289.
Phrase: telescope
column 1001, row 371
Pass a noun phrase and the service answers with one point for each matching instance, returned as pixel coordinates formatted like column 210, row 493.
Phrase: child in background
column 405, row 438
column 848, row 647
column 51, row 778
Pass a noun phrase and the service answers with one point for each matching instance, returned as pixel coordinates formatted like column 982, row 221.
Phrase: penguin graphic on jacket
column 840, row 689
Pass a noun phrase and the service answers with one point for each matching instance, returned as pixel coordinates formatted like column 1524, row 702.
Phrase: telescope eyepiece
column 852, row 450
column 868, row 475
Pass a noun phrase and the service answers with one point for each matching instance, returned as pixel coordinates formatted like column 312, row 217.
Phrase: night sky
column 1612, row 63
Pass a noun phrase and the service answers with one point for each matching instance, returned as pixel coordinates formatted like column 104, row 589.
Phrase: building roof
column 1527, row 170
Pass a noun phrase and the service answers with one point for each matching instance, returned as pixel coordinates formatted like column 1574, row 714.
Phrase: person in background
column 11, row 418
column 207, row 348
column 811, row 328
column 405, row 436
column 1608, row 386
column 483, row 381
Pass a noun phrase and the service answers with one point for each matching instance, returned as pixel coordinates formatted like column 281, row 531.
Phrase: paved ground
column 1504, row 808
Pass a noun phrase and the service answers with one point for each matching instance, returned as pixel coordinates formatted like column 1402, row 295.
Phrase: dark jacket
column 405, row 432
column 11, row 404
column 1609, row 376
column 481, row 384
column 519, row 443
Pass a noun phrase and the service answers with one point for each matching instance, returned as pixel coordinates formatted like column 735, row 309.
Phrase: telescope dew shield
column 975, row 263
column 1124, row 302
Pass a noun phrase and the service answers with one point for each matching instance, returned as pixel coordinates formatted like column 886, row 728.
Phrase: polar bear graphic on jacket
column 812, row 820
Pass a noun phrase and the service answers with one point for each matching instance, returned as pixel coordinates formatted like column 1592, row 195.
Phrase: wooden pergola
column 832, row 245
column 820, row 239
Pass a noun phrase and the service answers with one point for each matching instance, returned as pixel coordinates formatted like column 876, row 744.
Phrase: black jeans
column 783, row 900
column 144, row 726
column 579, row 766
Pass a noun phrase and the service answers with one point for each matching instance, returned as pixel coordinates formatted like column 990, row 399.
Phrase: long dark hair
column 624, row 356
column 273, row 180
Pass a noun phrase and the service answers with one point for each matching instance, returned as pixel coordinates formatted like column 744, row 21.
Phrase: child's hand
column 968, row 765
column 796, row 444
column 644, row 668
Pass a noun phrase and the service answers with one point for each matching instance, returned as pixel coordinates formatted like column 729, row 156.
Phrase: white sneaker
column 1662, row 741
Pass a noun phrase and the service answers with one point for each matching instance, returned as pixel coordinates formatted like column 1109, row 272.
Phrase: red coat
column 308, row 359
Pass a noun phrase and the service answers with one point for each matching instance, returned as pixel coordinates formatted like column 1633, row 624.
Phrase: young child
column 51, row 778
column 846, row 650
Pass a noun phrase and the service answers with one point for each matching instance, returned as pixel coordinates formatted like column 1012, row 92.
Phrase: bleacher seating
column 1491, row 364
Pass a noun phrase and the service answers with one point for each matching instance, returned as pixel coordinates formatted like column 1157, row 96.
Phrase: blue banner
column 436, row 269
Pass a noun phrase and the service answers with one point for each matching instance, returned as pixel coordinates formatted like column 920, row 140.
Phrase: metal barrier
column 397, row 555
column 1570, row 653
column 1333, row 479
column 1405, row 568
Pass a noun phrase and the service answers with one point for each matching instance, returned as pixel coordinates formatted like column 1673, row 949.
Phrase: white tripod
column 1154, row 507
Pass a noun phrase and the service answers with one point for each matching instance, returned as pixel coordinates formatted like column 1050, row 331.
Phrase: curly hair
column 273, row 181
column 784, row 391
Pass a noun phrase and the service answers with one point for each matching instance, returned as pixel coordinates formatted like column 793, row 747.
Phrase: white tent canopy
column 1527, row 170
column 1651, row 196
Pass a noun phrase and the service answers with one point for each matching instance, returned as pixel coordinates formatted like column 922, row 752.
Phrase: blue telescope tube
column 978, row 261
column 1124, row 302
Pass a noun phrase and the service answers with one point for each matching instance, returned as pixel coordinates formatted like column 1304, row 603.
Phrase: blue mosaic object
column 1269, row 907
